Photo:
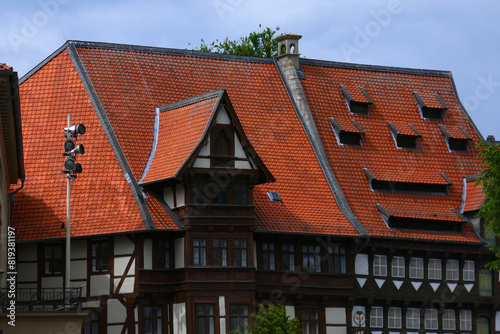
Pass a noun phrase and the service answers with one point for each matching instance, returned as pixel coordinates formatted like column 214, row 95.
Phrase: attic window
column 349, row 134
column 357, row 102
column 431, row 106
column 456, row 138
column 418, row 224
column 274, row 196
column 400, row 187
column 405, row 136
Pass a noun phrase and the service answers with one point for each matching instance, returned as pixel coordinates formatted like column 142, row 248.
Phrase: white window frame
column 376, row 317
column 465, row 320
column 398, row 267
column 417, row 268
column 434, row 269
column 431, row 318
column 469, row 273
column 452, row 272
column 379, row 265
column 449, row 320
column 394, row 317
column 413, row 318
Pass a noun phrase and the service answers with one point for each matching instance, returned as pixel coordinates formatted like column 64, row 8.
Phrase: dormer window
column 274, row 196
column 405, row 136
column 457, row 138
column 348, row 134
column 431, row 106
column 358, row 101
column 439, row 186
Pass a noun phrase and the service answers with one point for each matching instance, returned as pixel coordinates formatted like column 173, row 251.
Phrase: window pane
column 431, row 319
column 398, row 266
column 465, row 320
column 452, row 270
column 416, row 268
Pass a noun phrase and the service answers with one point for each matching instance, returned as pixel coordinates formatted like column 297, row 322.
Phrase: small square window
column 394, row 317
column 449, row 320
column 452, row 270
column 380, row 265
column 465, row 320
column 398, row 266
column 377, row 317
column 417, row 268
column 468, row 272
column 432, row 113
column 458, row 145
column 413, row 318
column 434, row 269
column 431, row 318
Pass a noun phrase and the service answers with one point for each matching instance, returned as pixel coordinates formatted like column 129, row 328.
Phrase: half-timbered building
column 215, row 183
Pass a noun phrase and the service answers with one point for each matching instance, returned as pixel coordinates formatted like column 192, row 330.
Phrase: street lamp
column 71, row 170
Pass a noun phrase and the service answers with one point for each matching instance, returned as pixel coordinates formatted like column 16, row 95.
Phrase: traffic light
column 71, row 167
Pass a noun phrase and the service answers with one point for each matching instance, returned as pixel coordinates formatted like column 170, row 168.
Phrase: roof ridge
column 375, row 68
column 168, row 51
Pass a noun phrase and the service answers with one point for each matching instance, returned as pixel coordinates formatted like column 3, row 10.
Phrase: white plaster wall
column 336, row 330
column 222, row 116
column 356, row 309
column 120, row 264
column 77, row 284
column 255, row 254
column 205, row 149
column 78, row 269
column 115, row 329
column 123, row 245
column 335, row 315
column 222, row 306
column 179, row 321
column 26, row 252
column 78, row 249
column 179, row 253
column 238, row 148
column 179, row 195
column 91, row 304
column 100, row 285
column 52, row 282
column 148, row 254
column 127, row 286
column 27, row 272
column 168, row 196
column 361, row 265
column 117, row 313
column 202, row 163
column 290, row 311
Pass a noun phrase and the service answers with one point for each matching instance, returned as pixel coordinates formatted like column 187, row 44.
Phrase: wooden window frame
column 99, row 257
column 449, row 323
column 239, row 317
column 394, row 320
column 268, row 256
column 156, row 321
column 307, row 321
column 52, row 261
column 413, row 321
column 465, row 320
column 376, row 317
column 452, row 270
column 380, row 268
column 436, row 272
column 205, row 316
column 337, row 260
column 397, row 267
column 431, row 320
column 159, row 258
column 416, row 268
column 311, row 258
column 469, row 271
column 219, row 252
column 240, row 252
column 289, row 256
column 200, row 261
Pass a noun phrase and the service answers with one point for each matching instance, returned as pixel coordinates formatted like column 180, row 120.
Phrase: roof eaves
column 110, row 134
column 44, row 62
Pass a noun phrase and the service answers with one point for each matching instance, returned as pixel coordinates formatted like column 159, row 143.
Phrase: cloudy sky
column 458, row 36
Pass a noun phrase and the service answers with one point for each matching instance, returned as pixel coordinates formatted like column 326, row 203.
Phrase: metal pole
column 68, row 229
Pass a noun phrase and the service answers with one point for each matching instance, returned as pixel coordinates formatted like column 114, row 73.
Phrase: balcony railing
column 42, row 300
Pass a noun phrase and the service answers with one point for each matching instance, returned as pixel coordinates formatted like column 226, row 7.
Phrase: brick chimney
column 288, row 48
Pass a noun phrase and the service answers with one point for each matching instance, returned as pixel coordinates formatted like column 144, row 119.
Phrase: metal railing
column 42, row 299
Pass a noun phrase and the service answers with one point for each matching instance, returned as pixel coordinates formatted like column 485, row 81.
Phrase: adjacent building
column 214, row 183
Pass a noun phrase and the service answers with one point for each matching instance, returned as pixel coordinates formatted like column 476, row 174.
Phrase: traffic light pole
column 68, row 231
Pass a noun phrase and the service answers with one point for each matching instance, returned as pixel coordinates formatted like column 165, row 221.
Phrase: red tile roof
column 180, row 132
column 5, row 67
column 474, row 196
column 126, row 84
column 391, row 90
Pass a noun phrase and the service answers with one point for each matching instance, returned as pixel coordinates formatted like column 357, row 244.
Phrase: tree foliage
column 272, row 320
column 257, row 44
column 490, row 180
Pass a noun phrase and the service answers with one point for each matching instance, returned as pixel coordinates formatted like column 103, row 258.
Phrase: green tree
column 257, row 44
column 272, row 319
column 490, row 180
